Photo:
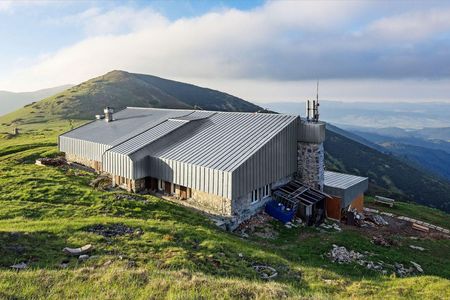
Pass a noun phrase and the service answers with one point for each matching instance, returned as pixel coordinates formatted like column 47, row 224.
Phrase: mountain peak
column 120, row 89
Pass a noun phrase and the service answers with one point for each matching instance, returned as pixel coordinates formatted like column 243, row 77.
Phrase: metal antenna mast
column 316, row 115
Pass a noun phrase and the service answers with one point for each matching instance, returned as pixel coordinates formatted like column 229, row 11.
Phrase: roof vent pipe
column 108, row 114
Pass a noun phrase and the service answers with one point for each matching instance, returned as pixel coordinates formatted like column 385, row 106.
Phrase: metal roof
column 341, row 180
column 127, row 123
column 222, row 142
column 345, row 186
column 226, row 140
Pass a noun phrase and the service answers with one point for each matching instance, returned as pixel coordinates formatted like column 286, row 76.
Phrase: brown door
column 333, row 207
column 167, row 187
column 183, row 192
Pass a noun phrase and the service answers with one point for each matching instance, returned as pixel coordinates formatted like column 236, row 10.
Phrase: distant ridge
column 10, row 101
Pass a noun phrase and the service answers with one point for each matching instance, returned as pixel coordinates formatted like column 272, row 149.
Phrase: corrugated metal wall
column 85, row 149
column 276, row 159
column 311, row 132
column 208, row 180
column 271, row 161
column 118, row 164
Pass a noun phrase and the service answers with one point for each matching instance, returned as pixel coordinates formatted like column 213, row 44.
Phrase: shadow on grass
column 38, row 249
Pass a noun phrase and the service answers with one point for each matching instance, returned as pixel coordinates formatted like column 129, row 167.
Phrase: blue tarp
column 279, row 212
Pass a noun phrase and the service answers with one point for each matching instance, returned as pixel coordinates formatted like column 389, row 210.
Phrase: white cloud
column 264, row 54
column 411, row 26
column 5, row 6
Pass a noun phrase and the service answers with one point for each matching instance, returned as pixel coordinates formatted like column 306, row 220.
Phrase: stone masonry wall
column 213, row 203
column 86, row 162
column 311, row 164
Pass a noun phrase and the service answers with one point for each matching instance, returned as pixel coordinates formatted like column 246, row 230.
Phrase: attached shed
column 346, row 191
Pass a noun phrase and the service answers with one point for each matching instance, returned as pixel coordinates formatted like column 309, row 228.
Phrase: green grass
column 412, row 210
column 181, row 254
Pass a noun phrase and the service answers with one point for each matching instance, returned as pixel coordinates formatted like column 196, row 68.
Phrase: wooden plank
column 420, row 227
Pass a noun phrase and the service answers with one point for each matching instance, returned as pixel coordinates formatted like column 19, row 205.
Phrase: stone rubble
column 343, row 256
column 19, row 266
column 265, row 272
column 333, row 226
column 83, row 257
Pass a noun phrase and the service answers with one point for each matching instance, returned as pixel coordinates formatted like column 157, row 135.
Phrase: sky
column 262, row 51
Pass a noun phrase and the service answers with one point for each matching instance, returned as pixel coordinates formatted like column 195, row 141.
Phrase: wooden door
column 333, row 208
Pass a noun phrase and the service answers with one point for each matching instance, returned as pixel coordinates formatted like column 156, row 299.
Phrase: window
column 260, row 193
column 255, row 197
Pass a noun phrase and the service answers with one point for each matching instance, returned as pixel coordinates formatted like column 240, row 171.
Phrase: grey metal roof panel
column 341, row 180
column 147, row 137
column 227, row 140
column 224, row 142
column 127, row 123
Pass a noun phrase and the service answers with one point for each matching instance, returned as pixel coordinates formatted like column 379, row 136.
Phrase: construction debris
column 78, row 251
column 20, row 266
column 403, row 271
column 102, row 182
column 417, row 248
column 333, row 226
column 417, row 266
column 420, row 227
column 342, row 255
column 265, row 272
column 54, row 162
column 378, row 220
column 83, row 257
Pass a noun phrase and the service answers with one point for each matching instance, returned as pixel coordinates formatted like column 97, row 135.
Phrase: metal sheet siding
column 276, row 159
column 86, row 149
column 311, row 132
column 345, row 186
column 196, row 177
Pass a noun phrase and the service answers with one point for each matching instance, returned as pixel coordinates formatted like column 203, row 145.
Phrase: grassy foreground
column 180, row 254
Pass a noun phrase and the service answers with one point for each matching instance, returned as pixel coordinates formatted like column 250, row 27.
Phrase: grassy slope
column 180, row 255
column 120, row 89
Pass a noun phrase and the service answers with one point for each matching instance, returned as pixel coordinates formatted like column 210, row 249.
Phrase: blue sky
column 259, row 50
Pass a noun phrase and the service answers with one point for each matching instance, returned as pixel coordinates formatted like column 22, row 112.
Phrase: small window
column 255, row 197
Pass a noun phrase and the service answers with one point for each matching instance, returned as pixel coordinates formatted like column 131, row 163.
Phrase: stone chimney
column 108, row 114
column 310, row 153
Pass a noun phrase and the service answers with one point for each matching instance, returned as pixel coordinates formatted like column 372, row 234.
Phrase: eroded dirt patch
column 112, row 230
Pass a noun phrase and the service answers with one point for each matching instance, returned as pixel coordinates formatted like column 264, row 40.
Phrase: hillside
column 10, row 101
column 434, row 160
column 119, row 89
column 388, row 175
column 171, row 252
column 164, row 250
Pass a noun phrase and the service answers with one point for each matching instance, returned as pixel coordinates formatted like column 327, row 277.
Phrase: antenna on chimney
column 316, row 116
column 307, row 110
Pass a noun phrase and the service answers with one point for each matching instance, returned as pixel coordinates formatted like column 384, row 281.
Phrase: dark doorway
column 151, row 183
column 167, row 187
column 183, row 192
